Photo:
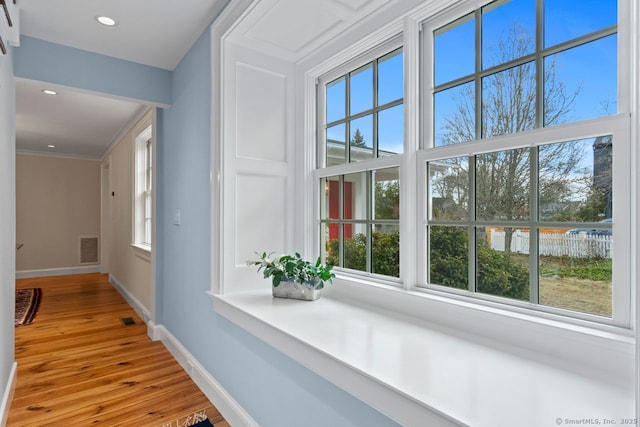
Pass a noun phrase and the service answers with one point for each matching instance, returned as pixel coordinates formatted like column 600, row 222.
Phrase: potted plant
column 294, row 277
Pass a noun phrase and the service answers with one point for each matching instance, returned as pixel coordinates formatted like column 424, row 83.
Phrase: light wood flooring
column 78, row 365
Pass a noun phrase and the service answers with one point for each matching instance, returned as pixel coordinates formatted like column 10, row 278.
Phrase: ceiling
column 293, row 29
column 156, row 33
column 151, row 32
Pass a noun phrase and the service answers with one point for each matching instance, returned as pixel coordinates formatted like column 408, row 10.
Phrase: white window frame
column 412, row 171
column 369, row 165
column 618, row 125
column 143, row 190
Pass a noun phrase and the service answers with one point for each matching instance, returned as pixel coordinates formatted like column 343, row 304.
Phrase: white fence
column 556, row 244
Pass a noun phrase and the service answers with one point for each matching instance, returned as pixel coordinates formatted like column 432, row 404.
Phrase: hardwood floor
column 78, row 365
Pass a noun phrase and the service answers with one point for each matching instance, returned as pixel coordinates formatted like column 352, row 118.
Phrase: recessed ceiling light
column 49, row 92
column 51, row 146
column 105, row 20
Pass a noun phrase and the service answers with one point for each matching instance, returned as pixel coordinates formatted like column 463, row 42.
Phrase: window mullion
column 534, row 276
column 478, row 78
column 471, row 229
column 539, row 64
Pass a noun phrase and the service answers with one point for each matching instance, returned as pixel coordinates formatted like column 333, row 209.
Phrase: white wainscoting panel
column 261, row 112
column 257, row 167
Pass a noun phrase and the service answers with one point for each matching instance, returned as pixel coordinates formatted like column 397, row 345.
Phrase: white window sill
column 422, row 374
column 142, row 251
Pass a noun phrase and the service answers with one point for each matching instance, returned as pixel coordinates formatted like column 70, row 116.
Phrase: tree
column 509, row 105
column 358, row 139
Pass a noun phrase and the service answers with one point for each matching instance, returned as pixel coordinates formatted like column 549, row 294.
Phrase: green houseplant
column 294, row 277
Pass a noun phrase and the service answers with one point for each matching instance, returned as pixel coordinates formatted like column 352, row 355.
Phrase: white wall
column 128, row 265
column 57, row 202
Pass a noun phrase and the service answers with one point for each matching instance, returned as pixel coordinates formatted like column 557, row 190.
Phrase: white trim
column 231, row 410
column 420, row 373
column 220, row 28
column 142, row 251
column 134, row 302
column 24, row 274
column 7, row 396
column 142, row 134
column 383, row 397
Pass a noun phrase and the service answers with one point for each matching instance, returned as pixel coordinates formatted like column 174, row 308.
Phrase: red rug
column 27, row 303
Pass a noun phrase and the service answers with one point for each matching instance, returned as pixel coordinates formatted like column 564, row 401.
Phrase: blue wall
column 44, row 61
column 273, row 389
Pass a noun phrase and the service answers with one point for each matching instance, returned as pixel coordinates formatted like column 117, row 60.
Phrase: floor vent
column 88, row 250
column 127, row 321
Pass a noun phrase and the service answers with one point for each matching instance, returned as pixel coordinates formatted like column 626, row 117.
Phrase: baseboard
column 7, row 396
column 25, row 274
column 134, row 302
column 232, row 412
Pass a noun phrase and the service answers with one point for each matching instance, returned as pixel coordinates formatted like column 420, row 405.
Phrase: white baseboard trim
column 7, row 396
column 232, row 412
column 25, row 274
column 134, row 302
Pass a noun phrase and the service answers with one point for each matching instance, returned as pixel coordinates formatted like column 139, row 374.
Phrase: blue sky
column 589, row 68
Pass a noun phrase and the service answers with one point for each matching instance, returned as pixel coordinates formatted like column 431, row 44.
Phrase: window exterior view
column 518, row 200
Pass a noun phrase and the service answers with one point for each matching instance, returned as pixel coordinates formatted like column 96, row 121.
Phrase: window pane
column 390, row 78
column 455, row 115
column 361, row 138
column 449, row 256
column 336, row 101
column 355, row 196
column 581, row 83
column 449, row 189
column 575, row 180
column 336, row 145
column 385, row 248
column 361, row 90
column 502, row 262
column 355, row 247
column 386, row 193
column 509, row 101
column 330, row 202
column 564, row 20
column 508, row 31
column 391, row 131
column 503, row 185
column 330, row 238
column 454, row 50
column 576, row 270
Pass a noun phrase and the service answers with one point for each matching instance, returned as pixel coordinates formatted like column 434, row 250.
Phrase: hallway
column 78, row 364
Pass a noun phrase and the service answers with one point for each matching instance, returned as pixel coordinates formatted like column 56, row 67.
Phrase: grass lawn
column 580, row 284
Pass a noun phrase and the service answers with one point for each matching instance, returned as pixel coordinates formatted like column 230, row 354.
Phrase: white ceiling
column 293, row 29
column 78, row 124
column 156, row 33
column 151, row 32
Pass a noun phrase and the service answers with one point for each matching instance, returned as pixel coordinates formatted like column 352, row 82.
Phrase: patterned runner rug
column 27, row 303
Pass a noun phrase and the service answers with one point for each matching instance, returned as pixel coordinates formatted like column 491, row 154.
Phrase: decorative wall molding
column 7, row 396
column 233, row 413
column 134, row 302
column 24, row 274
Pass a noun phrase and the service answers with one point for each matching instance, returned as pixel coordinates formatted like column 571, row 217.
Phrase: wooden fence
column 556, row 244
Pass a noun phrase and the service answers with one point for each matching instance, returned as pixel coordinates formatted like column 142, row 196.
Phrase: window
column 521, row 156
column 521, row 159
column 143, row 203
column 362, row 134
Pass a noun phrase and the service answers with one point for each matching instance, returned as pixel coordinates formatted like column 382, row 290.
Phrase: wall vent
column 88, row 250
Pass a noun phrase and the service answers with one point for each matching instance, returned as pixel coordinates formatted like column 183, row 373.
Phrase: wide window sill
column 418, row 373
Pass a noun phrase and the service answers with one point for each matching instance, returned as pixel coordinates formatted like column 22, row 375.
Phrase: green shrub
column 497, row 273
column 385, row 252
